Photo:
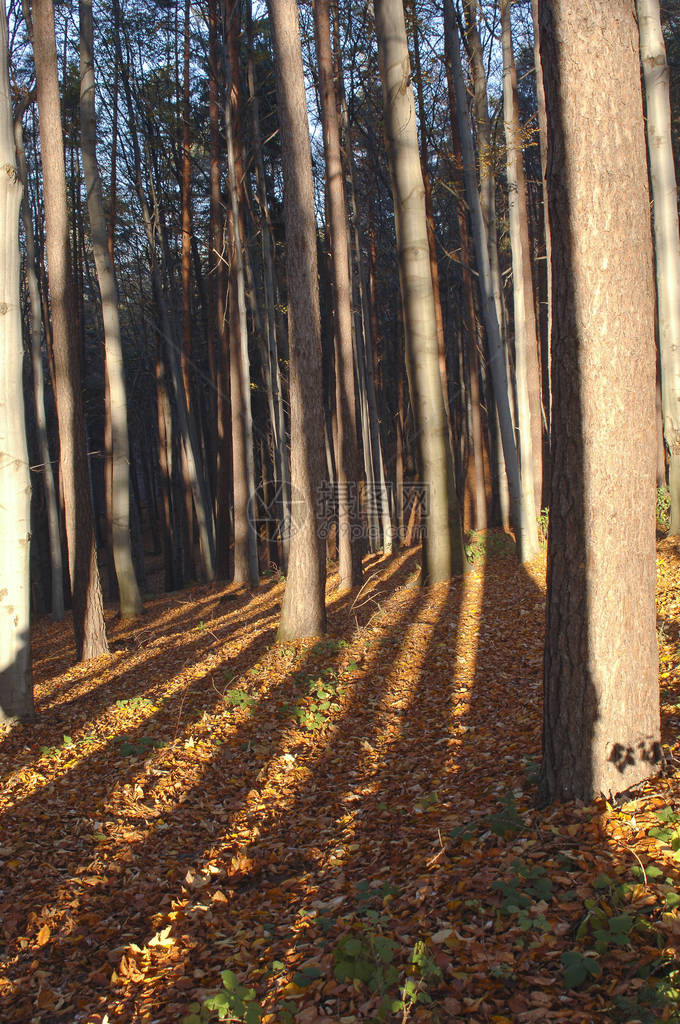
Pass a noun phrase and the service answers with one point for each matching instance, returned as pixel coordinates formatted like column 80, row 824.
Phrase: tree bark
column 130, row 599
column 497, row 363
column 88, row 617
column 303, row 612
column 601, row 730
column 526, row 342
column 16, row 680
column 350, row 571
column 666, row 236
column 443, row 550
column 51, row 502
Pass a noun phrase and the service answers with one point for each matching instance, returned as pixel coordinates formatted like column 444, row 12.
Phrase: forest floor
column 203, row 822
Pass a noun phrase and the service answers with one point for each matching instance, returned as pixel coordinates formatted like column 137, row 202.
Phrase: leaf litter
column 204, row 825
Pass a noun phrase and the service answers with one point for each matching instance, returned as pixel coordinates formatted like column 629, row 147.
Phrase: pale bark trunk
column 88, row 618
column 246, row 568
column 543, row 145
column 271, row 360
column 526, row 343
column 303, row 612
column 51, row 503
column 480, row 517
column 666, row 236
column 497, row 363
column 130, row 599
column 601, row 731
column 350, row 572
column 443, row 551
column 16, row 681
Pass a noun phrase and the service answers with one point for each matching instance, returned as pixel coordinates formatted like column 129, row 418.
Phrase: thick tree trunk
column 303, row 612
column 16, row 681
column 601, row 731
column 526, row 342
column 88, row 618
column 350, row 572
column 666, row 236
column 130, row 599
column 51, row 503
column 443, row 550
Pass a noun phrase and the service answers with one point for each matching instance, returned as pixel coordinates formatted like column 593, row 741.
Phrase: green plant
column 578, row 967
column 663, row 508
column 506, row 822
column 234, row 1003
column 543, row 522
column 239, row 698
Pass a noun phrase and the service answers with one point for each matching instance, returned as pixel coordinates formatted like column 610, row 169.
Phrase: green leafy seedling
column 577, row 968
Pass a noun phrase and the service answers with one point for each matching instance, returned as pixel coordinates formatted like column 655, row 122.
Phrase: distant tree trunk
column 443, row 550
column 601, row 730
column 480, row 519
column 350, row 572
column 218, row 339
column 187, row 325
column 666, row 237
column 88, row 618
column 246, row 568
column 130, row 599
column 497, row 363
column 16, row 681
column 526, row 341
column 51, row 503
column 271, row 357
column 543, row 145
column 303, row 612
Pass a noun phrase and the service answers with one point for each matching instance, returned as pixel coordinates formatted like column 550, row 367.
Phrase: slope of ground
column 202, row 823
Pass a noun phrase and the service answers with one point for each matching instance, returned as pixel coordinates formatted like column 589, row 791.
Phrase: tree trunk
column 246, row 567
column 526, row 342
column 16, row 680
column 497, row 362
column 666, row 237
column 130, row 599
column 443, row 550
column 601, row 730
column 543, row 145
column 350, row 572
column 88, row 618
column 51, row 503
column 480, row 517
column 303, row 612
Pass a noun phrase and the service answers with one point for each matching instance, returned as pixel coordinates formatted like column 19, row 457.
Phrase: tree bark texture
column 666, row 236
column 16, row 681
column 88, row 617
column 130, row 599
column 443, row 551
column 303, row 612
column 601, row 709
column 350, row 572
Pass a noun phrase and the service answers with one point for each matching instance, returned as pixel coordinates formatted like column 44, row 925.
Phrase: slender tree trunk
column 526, row 342
column 130, row 599
column 543, row 145
column 51, row 503
column 443, row 550
column 16, row 681
column 88, row 618
column 303, row 612
column 271, row 359
column 497, row 363
column 480, row 519
column 350, row 572
column 601, row 730
column 246, row 568
column 666, row 236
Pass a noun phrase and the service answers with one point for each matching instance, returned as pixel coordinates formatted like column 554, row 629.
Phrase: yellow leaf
column 43, row 935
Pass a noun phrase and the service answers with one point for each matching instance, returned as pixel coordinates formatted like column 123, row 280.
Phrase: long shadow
column 66, row 798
